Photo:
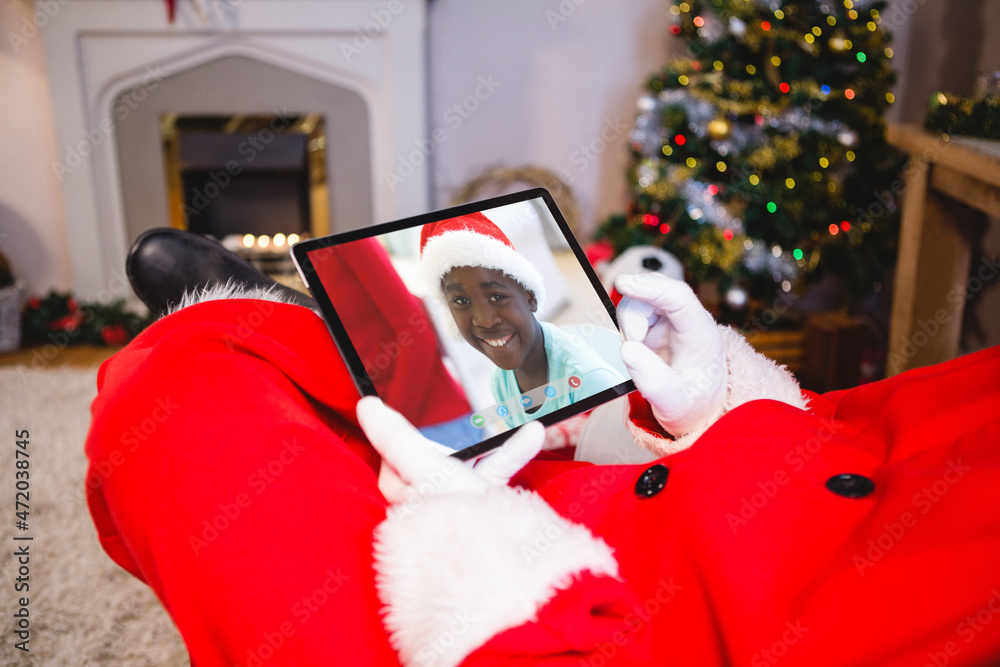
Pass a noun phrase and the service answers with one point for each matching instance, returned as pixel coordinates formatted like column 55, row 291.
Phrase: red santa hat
column 474, row 240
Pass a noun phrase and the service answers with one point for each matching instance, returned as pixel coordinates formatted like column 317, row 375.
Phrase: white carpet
column 84, row 609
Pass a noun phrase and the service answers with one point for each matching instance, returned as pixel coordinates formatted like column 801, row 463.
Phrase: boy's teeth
column 497, row 342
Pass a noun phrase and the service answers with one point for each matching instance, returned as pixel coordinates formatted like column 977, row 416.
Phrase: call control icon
column 574, row 381
column 550, row 391
column 478, row 420
column 526, row 401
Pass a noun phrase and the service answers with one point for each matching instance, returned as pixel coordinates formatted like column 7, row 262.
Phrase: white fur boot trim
column 231, row 290
column 749, row 376
column 456, row 569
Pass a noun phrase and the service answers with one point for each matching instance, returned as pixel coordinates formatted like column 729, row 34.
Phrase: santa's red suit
column 228, row 471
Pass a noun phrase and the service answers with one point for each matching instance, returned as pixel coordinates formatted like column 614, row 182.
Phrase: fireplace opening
column 255, row 182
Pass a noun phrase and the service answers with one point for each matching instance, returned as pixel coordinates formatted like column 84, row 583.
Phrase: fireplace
column 156, row 109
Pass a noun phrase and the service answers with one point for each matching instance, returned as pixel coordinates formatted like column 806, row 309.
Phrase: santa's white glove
column 673, row 350
column 414, row 466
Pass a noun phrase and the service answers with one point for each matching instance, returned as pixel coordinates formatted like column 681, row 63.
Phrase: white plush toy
column 640, row 259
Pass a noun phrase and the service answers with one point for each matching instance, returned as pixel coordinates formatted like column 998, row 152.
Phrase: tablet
column 470, row 321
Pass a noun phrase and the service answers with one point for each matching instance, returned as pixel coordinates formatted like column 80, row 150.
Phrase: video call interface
column 473, row 353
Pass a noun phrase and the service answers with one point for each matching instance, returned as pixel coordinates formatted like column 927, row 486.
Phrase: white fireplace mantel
column 98, row 49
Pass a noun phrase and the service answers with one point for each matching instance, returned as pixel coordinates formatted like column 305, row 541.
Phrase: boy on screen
column 493, row 293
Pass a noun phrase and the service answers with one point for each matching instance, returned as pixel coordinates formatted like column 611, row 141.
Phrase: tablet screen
column 470, row 321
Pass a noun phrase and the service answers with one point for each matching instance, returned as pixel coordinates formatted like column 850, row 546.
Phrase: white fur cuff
column 749, row 376
column 456, row 569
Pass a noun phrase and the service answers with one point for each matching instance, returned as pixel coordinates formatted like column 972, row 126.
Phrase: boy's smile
column 498, row 342
column 496, row 316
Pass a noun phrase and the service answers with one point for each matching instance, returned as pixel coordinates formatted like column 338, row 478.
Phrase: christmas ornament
column 646, row 175
column 736, row 298
column 737, row 27
column 718, row 128
column 848, row 138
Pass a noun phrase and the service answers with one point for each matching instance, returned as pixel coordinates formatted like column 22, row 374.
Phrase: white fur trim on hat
column 456, row 569
column 447, row 250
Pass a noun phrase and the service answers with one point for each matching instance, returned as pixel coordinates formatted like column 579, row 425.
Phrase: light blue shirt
column 568, row 357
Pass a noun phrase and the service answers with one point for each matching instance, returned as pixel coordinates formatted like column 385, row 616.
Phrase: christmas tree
column 760, row 160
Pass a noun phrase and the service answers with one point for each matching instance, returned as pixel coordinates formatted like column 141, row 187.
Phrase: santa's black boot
column 164, row 264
